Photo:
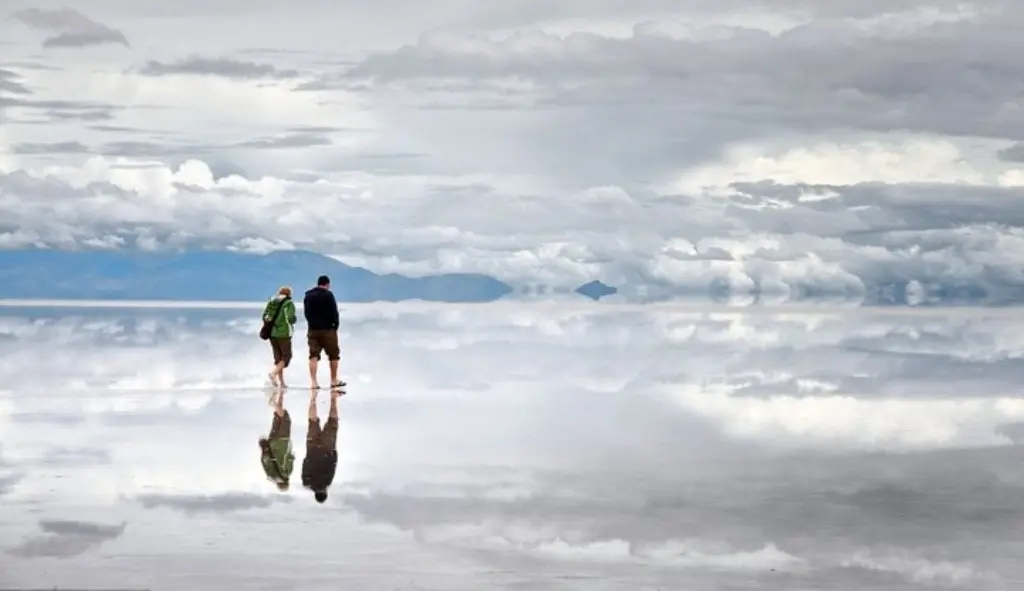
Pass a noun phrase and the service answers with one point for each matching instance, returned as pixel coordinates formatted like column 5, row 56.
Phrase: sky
column 791, row 144
column 535, row 448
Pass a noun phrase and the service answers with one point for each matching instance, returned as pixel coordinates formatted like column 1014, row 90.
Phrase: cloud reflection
column 646, row 446
column 64, row 539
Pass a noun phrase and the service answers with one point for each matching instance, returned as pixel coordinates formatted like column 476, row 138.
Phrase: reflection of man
column 321, row 449
column 276, row 449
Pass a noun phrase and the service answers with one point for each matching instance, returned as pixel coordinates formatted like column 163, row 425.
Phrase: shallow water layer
column 519, row 446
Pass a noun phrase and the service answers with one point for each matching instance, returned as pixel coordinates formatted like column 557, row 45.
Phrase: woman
column 281, row 311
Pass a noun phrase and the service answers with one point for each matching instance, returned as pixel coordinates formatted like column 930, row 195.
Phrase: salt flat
column 520, row 446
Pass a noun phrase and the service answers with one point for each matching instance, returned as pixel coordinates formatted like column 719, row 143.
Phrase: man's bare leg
column 334, row 371
column 333, row 412
column 313, row 363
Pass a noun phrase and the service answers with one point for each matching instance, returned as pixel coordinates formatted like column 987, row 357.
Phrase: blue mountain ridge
column 219, row 276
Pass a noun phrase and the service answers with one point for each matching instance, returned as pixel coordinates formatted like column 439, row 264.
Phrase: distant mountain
column 219, row 276
column 596, row 290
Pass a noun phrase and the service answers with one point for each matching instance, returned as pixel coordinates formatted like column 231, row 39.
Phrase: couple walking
column 321, row 447
column 321, row 312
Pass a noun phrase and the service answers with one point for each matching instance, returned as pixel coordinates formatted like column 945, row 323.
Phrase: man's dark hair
column 323, row 280
column 320, row 496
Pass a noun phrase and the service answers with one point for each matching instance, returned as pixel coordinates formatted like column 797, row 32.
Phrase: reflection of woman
column 276, row 449
column 281, row 332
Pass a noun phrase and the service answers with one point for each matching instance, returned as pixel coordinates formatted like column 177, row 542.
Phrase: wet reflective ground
column 520, row 446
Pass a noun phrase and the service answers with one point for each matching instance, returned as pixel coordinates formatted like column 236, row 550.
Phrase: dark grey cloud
column 85, row 39
column 1014, row 153
column 117, row 128
column 72, row 28
column 219, row 503
column 31, row 65
column 915, row 79
column 321, row 129
column 81, row 528
column 212, row 153
column 7, row 483
column 391, row 156
column 64, row 419
column 274, row 51
column 294, row 140
column 71, row 147
column 171, row 152
column 222, row 167
column 63, row 109
column 66, row 539
column 75, row 456
column 854, row 210
column 138, row 148
column 469, row 15
column 330, row 83
column 223, row 67
column 81, row 115
column 9, row 83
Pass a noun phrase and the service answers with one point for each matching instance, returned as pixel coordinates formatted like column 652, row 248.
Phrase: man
column 276, row 449
column 321, row 459
column 321, row 311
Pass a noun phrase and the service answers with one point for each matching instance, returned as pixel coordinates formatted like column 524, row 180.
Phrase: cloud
column 139, row 149
column 898, row 235
column 552, row 145
column 7, row 483
column 66, row 539
column 9, row 83
column 224, row 67
column 72, row 28
column 86, row 39
column 294, row 140
column 69, row 147
column 916, row 570
column 748, row 73
column 76, row 456
column 1014, row 153
column 66, row 110
column 565, row 98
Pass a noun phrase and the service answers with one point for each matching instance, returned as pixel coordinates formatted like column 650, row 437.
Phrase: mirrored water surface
column 519, row 446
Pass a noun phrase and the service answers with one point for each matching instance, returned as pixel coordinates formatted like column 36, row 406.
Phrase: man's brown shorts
column 282, row 350
column 323, row 438
column 323, row 340
column 281, row 427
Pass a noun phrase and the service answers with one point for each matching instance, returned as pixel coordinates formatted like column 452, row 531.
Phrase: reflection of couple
column 321, row 447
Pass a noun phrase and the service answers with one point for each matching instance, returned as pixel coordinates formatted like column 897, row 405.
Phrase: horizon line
column 799, row 307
